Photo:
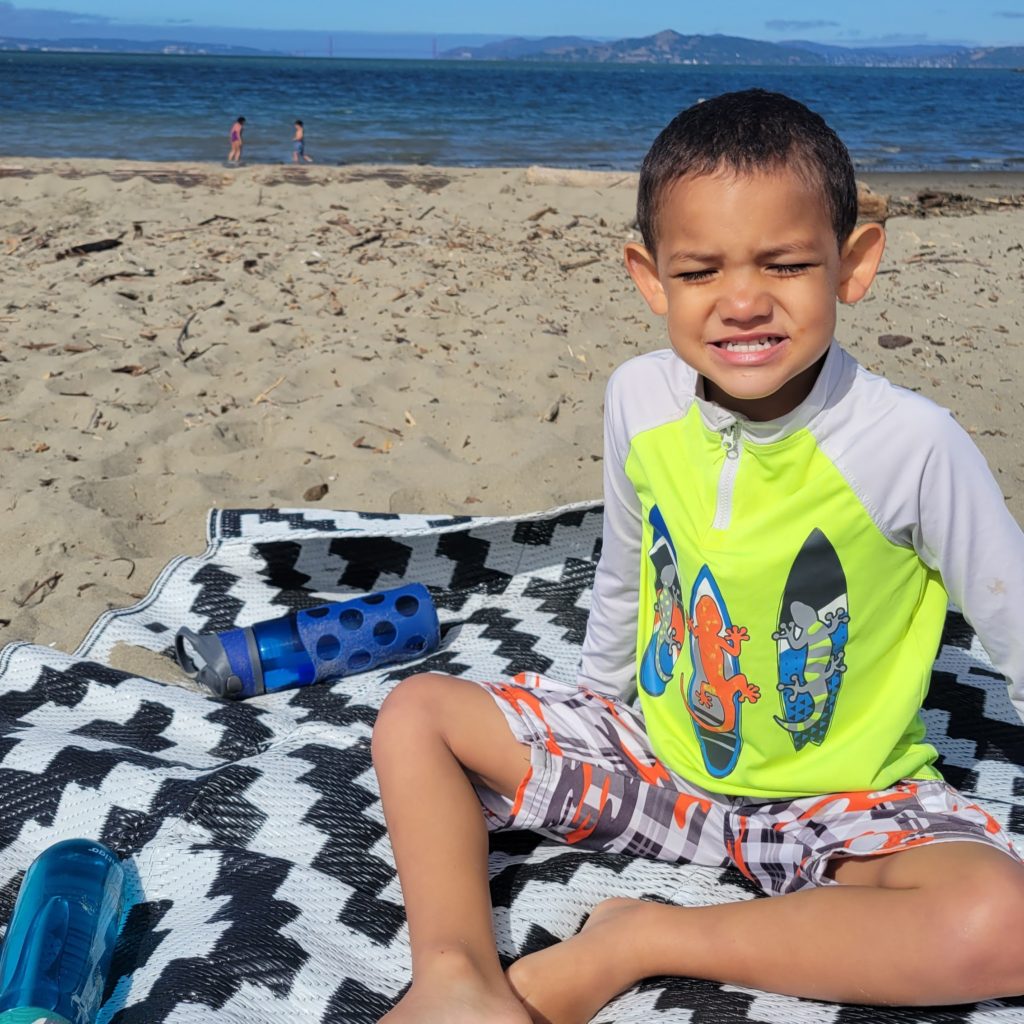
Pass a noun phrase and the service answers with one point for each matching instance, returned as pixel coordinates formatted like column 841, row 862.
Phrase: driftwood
column 936, row 201
column 870, row 205
column 87, row 247
column 536, row 175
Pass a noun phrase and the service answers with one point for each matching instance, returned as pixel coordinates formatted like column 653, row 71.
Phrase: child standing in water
column 235, row 150
column 782, row 532
column 299, row 144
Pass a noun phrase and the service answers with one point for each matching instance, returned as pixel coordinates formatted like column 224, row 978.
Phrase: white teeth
column 749, row 346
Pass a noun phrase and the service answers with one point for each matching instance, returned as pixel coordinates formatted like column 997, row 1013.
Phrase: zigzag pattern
column 262, row 882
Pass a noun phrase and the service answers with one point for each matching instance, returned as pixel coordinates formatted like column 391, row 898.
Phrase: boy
column 776, row 523
column 299, row 144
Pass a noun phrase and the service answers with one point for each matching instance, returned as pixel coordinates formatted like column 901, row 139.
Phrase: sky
column 869, row 22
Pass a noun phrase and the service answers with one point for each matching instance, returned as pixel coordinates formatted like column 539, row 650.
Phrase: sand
column 405, row 339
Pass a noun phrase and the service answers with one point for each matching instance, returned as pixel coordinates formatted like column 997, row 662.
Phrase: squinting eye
column 694, row 275
column 789, row 268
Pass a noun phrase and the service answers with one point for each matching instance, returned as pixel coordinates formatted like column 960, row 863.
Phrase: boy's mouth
column 756, row 343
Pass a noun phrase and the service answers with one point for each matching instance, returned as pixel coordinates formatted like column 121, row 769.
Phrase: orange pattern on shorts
column 860, row 800
column 652, row 774
column 517, row 804
column 734, row 848
column 519, row 699
column 684, row 802
column 904, row 839
column 585, row 828
column 991, row 825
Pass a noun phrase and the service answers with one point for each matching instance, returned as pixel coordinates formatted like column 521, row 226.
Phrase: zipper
column 727, row 478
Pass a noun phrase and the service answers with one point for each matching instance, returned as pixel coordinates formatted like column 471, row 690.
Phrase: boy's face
column 747, row 273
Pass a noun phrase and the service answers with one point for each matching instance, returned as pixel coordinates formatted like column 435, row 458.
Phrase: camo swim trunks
column 594, row 782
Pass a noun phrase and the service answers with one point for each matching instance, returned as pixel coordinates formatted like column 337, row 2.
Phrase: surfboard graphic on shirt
column 813, row 631
column 661, row 655
column 718, row 688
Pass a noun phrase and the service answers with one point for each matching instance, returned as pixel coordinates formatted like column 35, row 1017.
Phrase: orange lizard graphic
column 706, row 630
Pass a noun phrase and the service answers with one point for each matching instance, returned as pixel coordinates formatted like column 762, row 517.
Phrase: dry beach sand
column 381, row 338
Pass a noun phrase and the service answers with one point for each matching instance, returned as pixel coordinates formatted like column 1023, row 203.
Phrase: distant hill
column 131, row 46
column 917, row 56
column 995, row 57
column 838, row 54
column 671, row 47
column 518, row 48
column 667, row 47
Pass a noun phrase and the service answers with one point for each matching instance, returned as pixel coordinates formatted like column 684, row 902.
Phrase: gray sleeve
column 965, row 531
column 927, row 486
column 643, row 393
column 609, row 649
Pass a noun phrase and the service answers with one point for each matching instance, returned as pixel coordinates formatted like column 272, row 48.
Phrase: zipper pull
column 731, row 440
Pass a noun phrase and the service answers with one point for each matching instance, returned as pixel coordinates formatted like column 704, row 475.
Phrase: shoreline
column 402, row 338
column 974, row 181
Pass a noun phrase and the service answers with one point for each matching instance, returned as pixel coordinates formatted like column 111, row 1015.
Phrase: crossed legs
column 934, row 924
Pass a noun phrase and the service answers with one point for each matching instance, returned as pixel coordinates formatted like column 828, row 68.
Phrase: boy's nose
column 744, row 302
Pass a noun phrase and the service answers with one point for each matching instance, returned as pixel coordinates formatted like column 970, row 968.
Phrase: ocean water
column 477, row 113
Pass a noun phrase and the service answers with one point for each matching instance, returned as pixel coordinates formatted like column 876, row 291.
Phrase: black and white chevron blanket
column 262, row 886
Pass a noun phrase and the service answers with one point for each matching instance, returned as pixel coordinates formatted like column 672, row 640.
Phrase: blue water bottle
column 61, row 936
column 310, row 646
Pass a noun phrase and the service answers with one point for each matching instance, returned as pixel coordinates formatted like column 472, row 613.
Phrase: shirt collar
column 826, row 390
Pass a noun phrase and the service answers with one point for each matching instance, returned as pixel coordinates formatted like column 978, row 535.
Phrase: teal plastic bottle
column 60, row 939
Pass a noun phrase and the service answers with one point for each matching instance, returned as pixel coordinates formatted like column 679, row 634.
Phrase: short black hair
column 240, row 119
column 747, row 132
column 299, row 123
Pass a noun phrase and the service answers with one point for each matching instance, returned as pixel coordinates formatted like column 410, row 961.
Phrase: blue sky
column 988, row 22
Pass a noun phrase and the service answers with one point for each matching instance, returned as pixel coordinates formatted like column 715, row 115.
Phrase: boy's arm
column 966, row 532
column 609, row 649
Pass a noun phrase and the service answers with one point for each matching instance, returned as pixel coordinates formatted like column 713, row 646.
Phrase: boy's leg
column 431, row 731
column 930, row 925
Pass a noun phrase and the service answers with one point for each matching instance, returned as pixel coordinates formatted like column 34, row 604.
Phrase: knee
column 411, row 705
column 985, row 936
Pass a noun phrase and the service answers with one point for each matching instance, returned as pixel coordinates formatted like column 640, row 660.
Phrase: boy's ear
column 858, row 262
column 644, row 271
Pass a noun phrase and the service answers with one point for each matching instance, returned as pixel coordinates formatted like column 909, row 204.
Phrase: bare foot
column 455, row 992
column 570, row 982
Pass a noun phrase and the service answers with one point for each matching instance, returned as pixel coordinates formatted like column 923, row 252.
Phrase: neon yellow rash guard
column 775, row 592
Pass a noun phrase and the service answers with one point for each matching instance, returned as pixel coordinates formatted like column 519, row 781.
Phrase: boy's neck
column 771, row 407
